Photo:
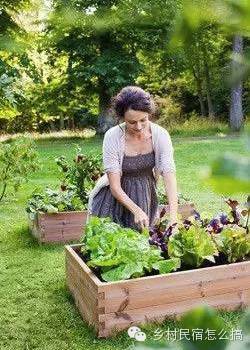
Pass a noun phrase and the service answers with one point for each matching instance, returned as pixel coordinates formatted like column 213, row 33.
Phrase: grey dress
column 138, row 183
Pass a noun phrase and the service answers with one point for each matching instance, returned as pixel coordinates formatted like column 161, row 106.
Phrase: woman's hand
column 141, row 219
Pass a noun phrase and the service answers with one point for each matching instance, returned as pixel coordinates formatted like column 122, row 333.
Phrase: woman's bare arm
column 171, row 192
column 115, row 187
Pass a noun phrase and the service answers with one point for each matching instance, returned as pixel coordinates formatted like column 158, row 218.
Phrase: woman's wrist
column 174, row 213
column 134, row 209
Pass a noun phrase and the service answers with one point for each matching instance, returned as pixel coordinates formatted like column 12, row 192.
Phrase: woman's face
column 136, row 121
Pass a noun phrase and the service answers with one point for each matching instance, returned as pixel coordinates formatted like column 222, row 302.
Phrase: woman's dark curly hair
column 132, row 97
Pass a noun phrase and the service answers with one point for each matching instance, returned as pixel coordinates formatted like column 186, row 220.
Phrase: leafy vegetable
column 234, row 242
column 166, row 266
column 52, row 201
column 159, row 235
column 192, row 246
column 121, row 253
column 236, row 216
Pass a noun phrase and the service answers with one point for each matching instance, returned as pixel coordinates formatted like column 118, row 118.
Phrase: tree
column 232, row 17
column 103, row 39
column 236, row 114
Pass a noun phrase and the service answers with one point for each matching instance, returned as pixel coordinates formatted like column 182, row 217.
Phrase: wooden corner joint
column 101, row 310
column 101, row 296
column 101, row 326
column 120, row 312
column 201, row 289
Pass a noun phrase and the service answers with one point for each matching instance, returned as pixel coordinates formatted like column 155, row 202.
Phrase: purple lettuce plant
column 160, row 232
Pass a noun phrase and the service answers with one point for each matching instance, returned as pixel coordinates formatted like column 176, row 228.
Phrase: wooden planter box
column 184, row 209
column 118, row 305
column 58, row 227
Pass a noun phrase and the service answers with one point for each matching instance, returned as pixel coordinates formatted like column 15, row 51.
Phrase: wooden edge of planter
column 83, row 285
column 72, row 249
column 64, row 212
column 118, row 305
column 61, row 227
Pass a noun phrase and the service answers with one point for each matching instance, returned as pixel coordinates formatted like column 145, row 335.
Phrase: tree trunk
column 62, row 125
column 236, row 114
column 71, row 122
column 52, row 125
column 105, row 119
column 200, row 93
column 206, row 64
column 210, row 106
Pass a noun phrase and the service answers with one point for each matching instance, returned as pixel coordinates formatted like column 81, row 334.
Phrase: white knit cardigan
column 113, row 153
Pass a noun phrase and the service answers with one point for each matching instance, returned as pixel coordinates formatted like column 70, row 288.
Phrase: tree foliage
column 83, row 52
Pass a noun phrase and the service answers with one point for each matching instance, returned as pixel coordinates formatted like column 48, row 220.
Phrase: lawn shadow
column 26, row 240
column 71, row 317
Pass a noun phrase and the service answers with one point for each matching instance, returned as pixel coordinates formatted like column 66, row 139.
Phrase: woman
column 135, row 153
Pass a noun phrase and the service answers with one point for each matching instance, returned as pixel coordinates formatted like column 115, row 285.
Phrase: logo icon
column 136, row 333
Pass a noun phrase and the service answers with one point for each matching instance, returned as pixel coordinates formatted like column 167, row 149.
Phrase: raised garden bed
column 58, row 227
column 118, row 305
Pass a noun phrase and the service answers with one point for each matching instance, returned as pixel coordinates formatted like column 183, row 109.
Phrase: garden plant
column 18, row 160
column 61, row 62
column 60, row 215
column 80, row 174
column 118, row 253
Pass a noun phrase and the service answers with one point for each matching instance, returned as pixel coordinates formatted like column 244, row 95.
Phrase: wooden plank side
column 68, row 225
column 88, row 298
column 184, row 278
column 227, row 301
column 81, row 282
column 59, row 219
column 72, row 235
column 62, row 215
column 60, row 225
column 120, row 304
column 83, row 306
column 53, row 239
column 81, row 277
column 180, row 293
column 75, row 259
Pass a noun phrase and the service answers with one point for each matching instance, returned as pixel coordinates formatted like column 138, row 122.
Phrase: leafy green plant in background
column 230, row 173
column 82, row 173
column 203, row 319
column 18, row 160
column 53, row 201
column 122, row 253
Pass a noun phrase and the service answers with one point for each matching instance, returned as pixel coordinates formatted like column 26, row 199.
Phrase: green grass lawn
column 36, row 310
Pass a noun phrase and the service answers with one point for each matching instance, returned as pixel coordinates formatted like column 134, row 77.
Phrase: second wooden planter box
column 185, row 210
column 118, row 305
column 58, row 227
